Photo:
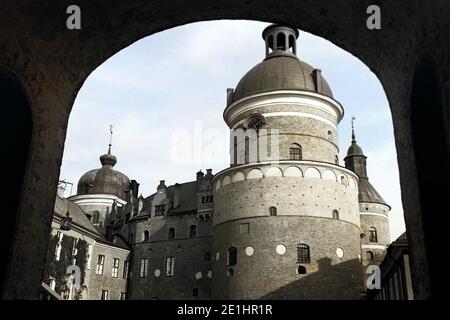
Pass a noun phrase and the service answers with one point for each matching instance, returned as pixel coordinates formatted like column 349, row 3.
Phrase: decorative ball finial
column 108, row 159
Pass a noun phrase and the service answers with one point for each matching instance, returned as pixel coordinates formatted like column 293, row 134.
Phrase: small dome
column 354, row 150
column 105, row 179
column 280, row 72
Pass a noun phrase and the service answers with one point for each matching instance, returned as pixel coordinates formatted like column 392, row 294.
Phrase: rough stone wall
column 52, row 63
column 268, row 275
column 295, row 196
column 310, row 133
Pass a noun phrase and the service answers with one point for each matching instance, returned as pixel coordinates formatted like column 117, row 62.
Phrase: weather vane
column 353, row 128
column 111, row 133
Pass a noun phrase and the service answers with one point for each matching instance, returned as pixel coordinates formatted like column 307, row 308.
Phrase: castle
column 296, row 225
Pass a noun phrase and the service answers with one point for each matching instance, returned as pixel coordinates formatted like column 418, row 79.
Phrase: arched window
column 295, row 152
column 373, row 235
column 232, row 257
column 335, row 214
column 303, row 255
column 301, row 270
column 146, row 235
column 330, row 135
column 273, row 211
column 192, row 231
column 270, row 43
column 171, row 234
column 292, row 44
column 281, row 42
column 336, row 159
column 369, row 255
column 96, row 217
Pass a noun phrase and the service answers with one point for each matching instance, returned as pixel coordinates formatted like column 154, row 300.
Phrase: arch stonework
column 52, row 63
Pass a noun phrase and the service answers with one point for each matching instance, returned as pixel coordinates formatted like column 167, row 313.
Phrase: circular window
column 249, row 251
column 281, row 249
column 157, row 273
column 339, row 252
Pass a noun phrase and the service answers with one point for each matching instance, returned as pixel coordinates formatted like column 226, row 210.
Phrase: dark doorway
column 428, row 121
column 16, row 136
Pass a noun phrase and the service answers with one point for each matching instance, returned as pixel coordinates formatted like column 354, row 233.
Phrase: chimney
column 317, row 77
column 162, row 185
column 176, row 196
column 200, row 176
column 209, row 174
column 134, row 188
column 229, row 95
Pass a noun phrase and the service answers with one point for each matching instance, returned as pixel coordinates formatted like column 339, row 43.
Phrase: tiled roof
column 76, row 213
column 188, row 199
column 367, row 193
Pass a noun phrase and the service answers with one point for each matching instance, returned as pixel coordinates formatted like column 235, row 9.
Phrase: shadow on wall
column 342, row 283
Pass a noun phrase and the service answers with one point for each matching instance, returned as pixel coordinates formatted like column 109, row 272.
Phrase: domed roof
column 105, row 180
column 354, row 150
column 281, row 71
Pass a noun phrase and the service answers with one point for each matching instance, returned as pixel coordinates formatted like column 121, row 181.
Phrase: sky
column 166, row 93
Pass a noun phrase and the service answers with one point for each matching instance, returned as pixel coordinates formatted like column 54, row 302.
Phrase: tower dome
column 281, row 69
column 105, row 180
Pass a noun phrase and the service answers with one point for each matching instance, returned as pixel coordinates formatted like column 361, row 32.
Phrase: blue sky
column 175, row 82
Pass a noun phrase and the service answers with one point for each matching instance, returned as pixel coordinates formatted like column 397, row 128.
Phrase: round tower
column 373, row 209
column 286, row 216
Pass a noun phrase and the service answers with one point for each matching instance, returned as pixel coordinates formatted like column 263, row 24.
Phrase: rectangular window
column 203, row 199
column 100, row 264
column 159, row 210
column 170, row 266
column 74, row 247
column 88, row 257
column 211, row 198
column 143, row 268
column 115, row 268
column 207, row 256
column 105, row 295
column 244, row 228
column 295, row 154
column 125, row 269
column 58, row 248
column 123, row 296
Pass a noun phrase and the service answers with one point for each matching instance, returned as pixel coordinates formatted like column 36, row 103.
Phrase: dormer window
column 159, row 210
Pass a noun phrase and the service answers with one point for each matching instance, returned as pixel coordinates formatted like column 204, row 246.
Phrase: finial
column 353, row 129
column 110, row 138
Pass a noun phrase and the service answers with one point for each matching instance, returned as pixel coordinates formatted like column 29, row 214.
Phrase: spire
column 109, row 159
column 110, row 138
column 353, row 130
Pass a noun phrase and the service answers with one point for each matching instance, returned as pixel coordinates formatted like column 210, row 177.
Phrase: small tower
column 101, row 189
column 373, row 209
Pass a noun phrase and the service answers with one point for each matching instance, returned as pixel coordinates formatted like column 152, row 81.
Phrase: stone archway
column 52, row 62
column 16, row 133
